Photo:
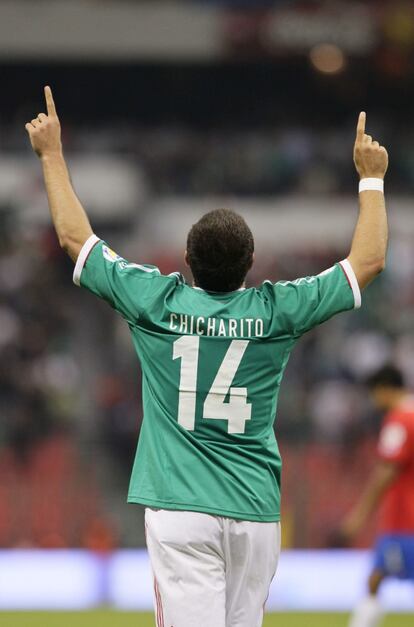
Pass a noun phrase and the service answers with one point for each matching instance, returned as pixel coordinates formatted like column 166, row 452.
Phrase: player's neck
column 398, row 399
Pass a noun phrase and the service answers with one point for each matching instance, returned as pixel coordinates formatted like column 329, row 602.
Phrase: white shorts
column 210, row 571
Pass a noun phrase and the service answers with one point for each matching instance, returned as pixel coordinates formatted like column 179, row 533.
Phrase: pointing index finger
column 50, row 103
column 361, row 125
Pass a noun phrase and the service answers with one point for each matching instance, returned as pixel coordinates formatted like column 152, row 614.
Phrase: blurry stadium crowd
column 47, row 495
column 286, row 160
column 193, row 162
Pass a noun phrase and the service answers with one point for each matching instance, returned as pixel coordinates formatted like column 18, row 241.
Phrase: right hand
column 347, row 532
column 44, row 131
column 337, row 539
column 352, row 525
column 371, row 159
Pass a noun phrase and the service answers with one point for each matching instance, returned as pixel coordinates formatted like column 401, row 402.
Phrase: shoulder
column 143, row 271
column 403, row 415
column 304, row 282
column 147, row 271
column 397, row 432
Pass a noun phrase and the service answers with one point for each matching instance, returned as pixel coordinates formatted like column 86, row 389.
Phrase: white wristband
column 371, row 185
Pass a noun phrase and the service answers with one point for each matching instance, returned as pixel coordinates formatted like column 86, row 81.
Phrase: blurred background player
column 390, row 488
column 213, row 357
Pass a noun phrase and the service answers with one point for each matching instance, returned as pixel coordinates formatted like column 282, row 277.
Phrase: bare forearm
column 369, row 246
column 69, row 218
column 382, row 478
column 370, row 499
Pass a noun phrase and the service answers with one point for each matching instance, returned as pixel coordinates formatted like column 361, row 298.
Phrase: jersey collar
column 241, row 289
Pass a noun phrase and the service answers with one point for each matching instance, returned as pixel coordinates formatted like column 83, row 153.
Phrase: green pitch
column 129, row 619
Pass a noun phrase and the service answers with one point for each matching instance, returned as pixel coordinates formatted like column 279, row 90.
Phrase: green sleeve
column 127, row 287
column 305, row 303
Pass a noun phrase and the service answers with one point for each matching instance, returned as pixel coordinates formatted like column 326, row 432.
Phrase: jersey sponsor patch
column 392, row 439
column 110, row 255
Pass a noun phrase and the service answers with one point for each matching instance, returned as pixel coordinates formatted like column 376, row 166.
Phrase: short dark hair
column 220, row 249
column 388, row 376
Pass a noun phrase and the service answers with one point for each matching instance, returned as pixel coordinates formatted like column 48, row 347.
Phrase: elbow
column 379, row 266
column 70, row 247
column 367, row 270
column 64, row 242
column 374, row 269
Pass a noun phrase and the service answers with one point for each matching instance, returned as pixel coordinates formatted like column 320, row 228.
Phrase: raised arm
column 69, row 218
column 369, row 245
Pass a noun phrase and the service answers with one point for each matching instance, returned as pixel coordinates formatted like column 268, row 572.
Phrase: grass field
column 129, row 619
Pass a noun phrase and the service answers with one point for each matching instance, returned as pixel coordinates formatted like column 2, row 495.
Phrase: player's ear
column 187, row 263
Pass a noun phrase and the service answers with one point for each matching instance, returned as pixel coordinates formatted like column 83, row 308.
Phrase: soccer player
column 392, row 487
column 212, row 355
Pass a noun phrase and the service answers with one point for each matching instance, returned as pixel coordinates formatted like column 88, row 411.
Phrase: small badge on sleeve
column 110, row 254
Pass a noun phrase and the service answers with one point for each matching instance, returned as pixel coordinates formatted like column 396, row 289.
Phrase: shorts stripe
column 160, row 613
column 157, row 609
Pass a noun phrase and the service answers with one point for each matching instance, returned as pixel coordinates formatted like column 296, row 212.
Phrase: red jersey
column 396, row 445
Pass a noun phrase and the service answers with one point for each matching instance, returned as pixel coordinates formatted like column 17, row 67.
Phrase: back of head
column 220, row 249
column 389, row 376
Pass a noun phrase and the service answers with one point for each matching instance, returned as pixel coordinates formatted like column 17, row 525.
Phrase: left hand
column 44, row 131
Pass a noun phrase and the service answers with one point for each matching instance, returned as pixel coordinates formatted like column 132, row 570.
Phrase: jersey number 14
column 236, row 411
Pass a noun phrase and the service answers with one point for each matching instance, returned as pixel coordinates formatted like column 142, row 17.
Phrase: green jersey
column 212, row 364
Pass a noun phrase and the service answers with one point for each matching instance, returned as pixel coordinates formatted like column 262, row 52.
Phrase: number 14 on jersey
column 236, row 411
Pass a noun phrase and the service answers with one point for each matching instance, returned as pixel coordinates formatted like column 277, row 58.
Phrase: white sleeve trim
column 353, row 282
column 83, row 255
